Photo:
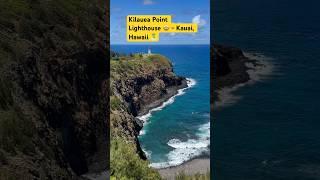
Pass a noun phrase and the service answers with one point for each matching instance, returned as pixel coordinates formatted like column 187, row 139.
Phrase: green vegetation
column 127, row 165
column 15, row 7
column 159, row 60
column 115, row 103
column 64, row 23
column 128, row 66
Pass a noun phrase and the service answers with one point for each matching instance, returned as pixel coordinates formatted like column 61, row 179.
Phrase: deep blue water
column 273, row 131
column 180, row 130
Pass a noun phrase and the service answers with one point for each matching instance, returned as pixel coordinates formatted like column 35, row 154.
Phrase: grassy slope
column 133, row 66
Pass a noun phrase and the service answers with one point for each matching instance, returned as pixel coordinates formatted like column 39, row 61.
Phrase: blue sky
column 183, row 11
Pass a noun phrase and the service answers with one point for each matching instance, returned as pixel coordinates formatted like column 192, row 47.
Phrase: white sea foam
column 186, row 150
column 190, row 83
column 190, row 143
column 182, row 151
column 262, row 71
column 204, row 131
column 147, row 153
column 142, row 132
column 257, row 73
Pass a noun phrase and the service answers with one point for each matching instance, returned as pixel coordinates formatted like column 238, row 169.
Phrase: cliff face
column 229, row 63
column 229, row 68
column 53, row 92
column 138, row 84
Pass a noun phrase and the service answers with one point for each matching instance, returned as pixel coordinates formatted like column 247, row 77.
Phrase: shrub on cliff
column 126, row 164
column 115, row 103
column 159, row 60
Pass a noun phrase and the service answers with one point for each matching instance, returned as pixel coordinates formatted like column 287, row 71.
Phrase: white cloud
column 148, row 2
column 197, row 19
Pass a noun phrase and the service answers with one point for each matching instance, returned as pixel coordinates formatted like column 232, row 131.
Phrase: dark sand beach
column 198, row 165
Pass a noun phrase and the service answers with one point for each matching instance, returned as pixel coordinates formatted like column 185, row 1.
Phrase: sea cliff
column 228, row 68
column 138, row 83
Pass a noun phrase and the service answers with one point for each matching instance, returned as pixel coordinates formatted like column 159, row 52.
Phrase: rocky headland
column 229, row 68
column 138, row 84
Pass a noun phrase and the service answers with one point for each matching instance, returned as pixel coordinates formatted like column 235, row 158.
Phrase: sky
column 182, row 11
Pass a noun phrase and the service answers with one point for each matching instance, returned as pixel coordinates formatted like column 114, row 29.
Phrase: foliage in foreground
column 127, row 165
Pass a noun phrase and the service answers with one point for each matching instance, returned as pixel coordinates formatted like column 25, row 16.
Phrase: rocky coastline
column 140, row 92
column 230, row 67
column 170, row 92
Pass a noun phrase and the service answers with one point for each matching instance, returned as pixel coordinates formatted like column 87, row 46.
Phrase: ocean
column 271, row 129
column 179, row 130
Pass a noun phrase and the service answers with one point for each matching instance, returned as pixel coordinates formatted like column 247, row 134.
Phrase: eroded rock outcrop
column 137, row 85
column 228, row 68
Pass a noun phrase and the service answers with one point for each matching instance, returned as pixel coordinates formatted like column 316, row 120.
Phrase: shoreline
column 199, row 165
column 257, row 68
column 144, row 115
column 171, row 91
column 246, row 68
column 235, row 69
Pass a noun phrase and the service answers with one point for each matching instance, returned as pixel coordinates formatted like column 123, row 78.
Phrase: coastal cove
column 181, row 122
